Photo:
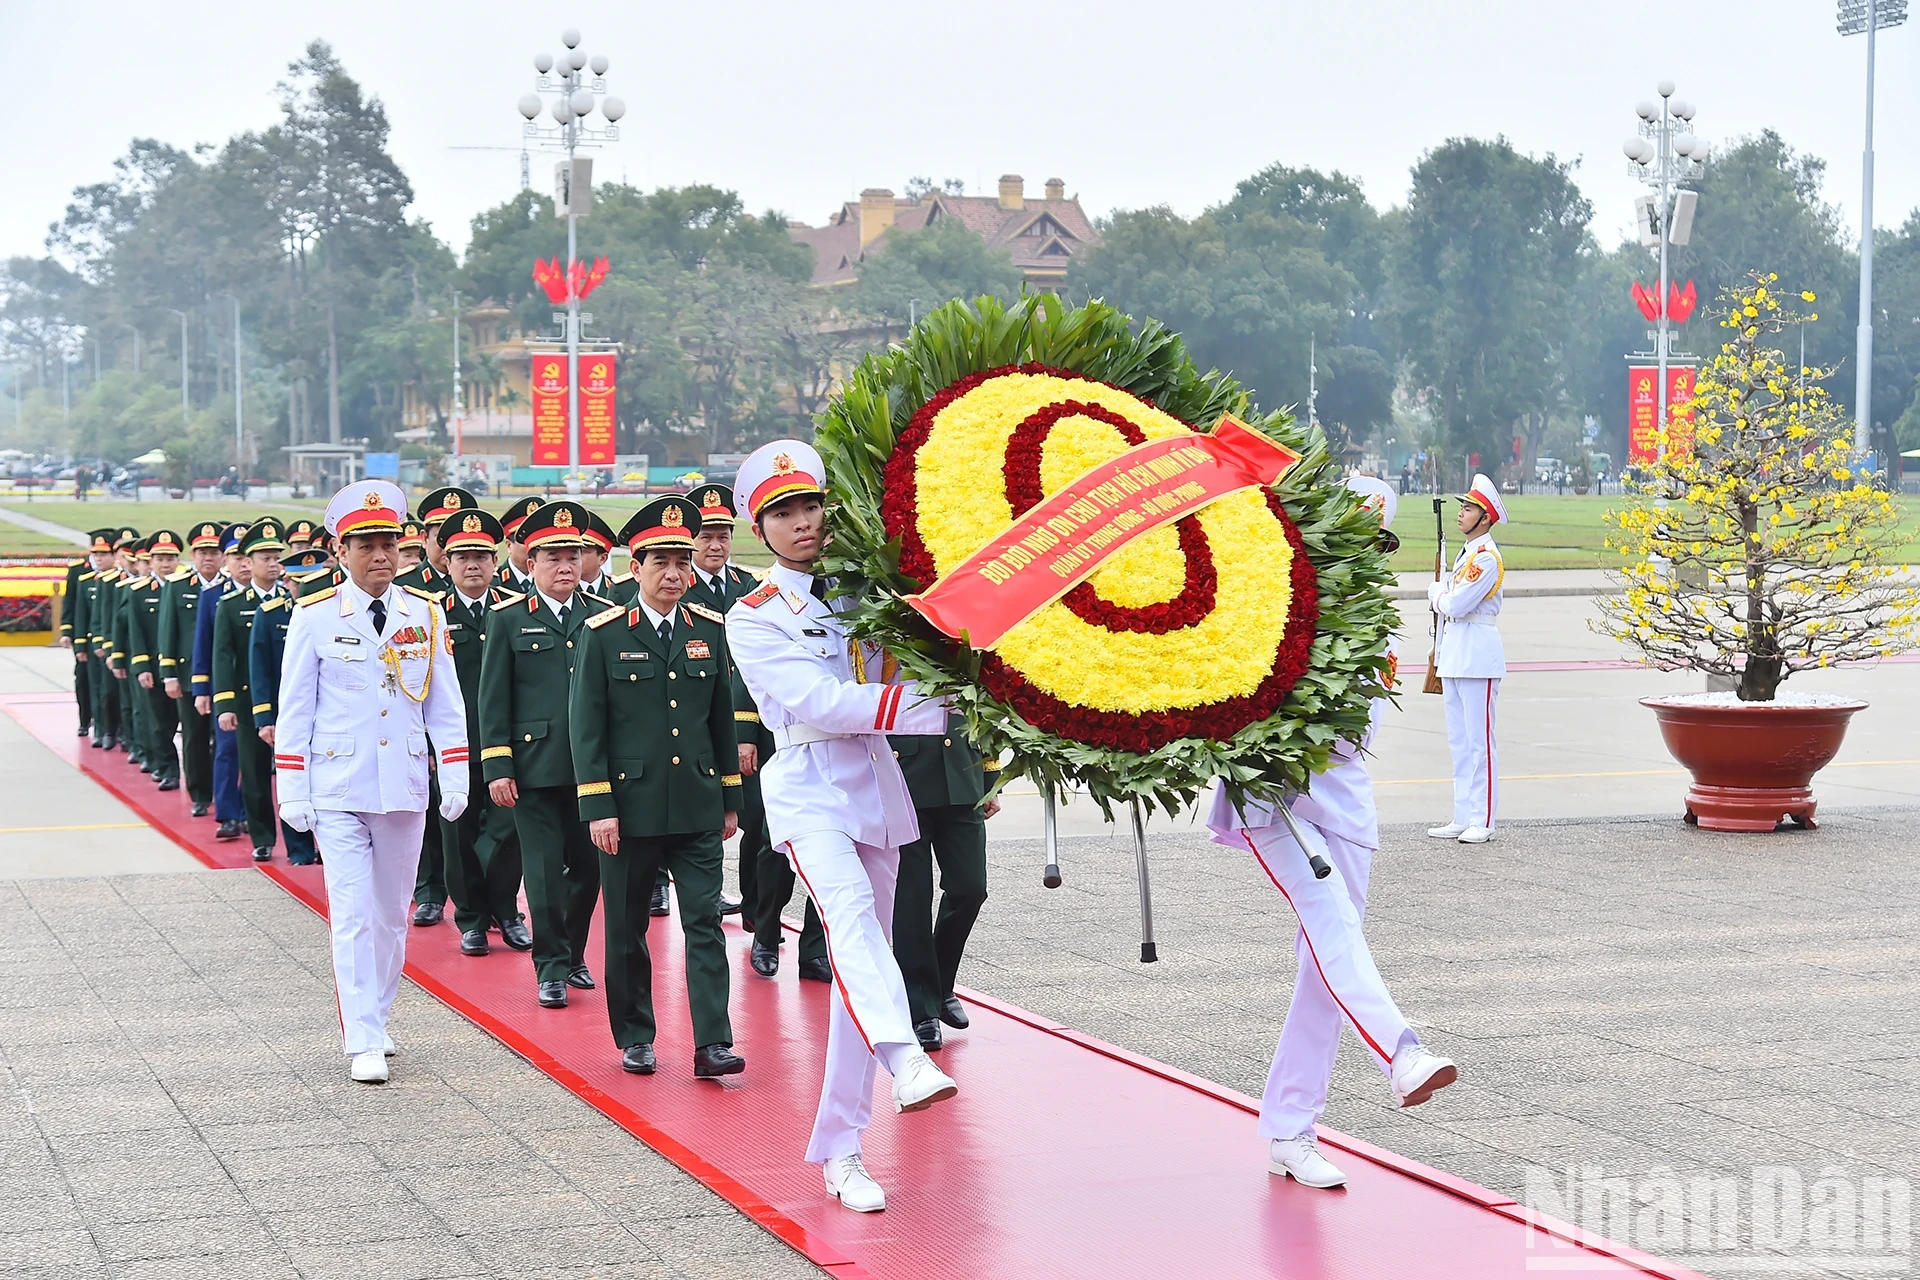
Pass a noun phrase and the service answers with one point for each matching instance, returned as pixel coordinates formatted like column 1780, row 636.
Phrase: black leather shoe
column 928, row 1033
column 97, row 741
column 263, row 854
column 474, row 943
column 515, row 934
column 953, row 1013
column 765, row 960
column 728, row 906
column 553, row 995
column 82, row 732
column 816, row 971
column 639, row 1060
column 580, row 977
column 429, row 913
column 144, row 766
column 169, row 784
column 199, row 810
column 109, row 742
column 711, row 1060
column 230, row 830
column 659, row 907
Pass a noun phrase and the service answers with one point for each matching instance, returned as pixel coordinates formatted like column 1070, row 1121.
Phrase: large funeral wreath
column 1241, row 641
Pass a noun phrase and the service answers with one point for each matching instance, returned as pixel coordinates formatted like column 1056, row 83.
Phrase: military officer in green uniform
column 517, row 573
column 948, row 781
column 300, row 535
column 526, row 756
column 266, row 651
column 654, row 754
column 90, row 626
column 81, row 570
column 179, row 605
column 595, row 578
column 144, row 614
column 133, row 711
column 417, row 551
column 77, row 629
column 232, row 677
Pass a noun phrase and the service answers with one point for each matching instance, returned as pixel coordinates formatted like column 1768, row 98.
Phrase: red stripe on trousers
column 845, row 998
column 1371, row 1042
column 1489, row 754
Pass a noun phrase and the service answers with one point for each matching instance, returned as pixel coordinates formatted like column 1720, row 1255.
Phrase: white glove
column 297, row 815
column 452, row 805
column 1433, row 593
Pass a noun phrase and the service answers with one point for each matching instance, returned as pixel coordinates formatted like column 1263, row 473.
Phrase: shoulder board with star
column 622, row 579
column 508, row 601
column 317, row 596
column 180, row 575
column 88, row 575
column 760, row 595
column 602, row 600
column 701, row 611
column 605, row 616
column 275, row 603
column 423, row 594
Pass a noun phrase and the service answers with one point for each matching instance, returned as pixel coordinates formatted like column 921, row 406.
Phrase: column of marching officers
column 611, row 732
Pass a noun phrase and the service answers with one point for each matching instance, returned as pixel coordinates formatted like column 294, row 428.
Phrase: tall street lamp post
column 1664, row 155
column 1855, row 18
column 239, row 445
column 183, row 366
column 567, row 78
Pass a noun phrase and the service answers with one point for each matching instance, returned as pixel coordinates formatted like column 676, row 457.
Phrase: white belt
column 795, row 735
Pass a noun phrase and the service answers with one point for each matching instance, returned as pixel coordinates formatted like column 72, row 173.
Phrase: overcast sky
column 799, row 106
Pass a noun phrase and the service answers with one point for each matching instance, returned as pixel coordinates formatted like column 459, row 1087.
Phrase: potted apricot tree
column 1758, row 548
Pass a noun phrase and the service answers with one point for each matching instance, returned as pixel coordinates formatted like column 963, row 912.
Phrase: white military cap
column 366, row 506
column 775, row 471
column 1377, row 496
column 1486, row 495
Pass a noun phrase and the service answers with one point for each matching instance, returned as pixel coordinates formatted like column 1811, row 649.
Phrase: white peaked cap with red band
column 1377, row 496
column 775, row 471
column 1486, row 495
column 366, row 506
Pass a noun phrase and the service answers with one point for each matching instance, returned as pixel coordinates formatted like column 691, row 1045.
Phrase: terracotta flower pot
column 1752, row 762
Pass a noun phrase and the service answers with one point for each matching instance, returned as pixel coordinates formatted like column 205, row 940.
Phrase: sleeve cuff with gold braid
column 169, row 662
column 750, row 717
column 594, row 789
column 730, row 780
column 496, row 753
column 224, row 697
column 259, row 707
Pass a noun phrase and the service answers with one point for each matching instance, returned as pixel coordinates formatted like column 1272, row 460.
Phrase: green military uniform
column 133, row 709
column 525, row 674
column 233, row 690
column 653, row 746
column 81, row 608
column 111, row 630
column 481, row 850
column 143, row 634
column 948, row 781
column 173, row 649
column 89, row 619
column 70, row 597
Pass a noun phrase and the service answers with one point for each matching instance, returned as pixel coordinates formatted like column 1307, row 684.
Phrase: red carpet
column 1062, row 1157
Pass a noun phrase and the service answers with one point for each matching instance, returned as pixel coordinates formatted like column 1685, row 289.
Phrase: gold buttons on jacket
column 529, row 737
column 569, row 644
column 383, row 742
column 673, row 675
column 633, row 677
column 672, row 703
column 949, row 741
column 676, row 759
column 676, row 733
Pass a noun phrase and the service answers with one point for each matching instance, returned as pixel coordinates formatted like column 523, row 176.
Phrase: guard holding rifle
column 1472, row 662
column 654, row 756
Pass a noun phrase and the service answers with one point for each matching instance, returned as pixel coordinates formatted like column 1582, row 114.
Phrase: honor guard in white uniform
column 368, row 676
column 1471, row 663
column 1337, row 982
column 836, row 803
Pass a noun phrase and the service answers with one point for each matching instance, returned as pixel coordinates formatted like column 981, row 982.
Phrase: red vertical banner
column 1643, row 414
column 1679, row 414
column 549, row 383
column 597, row 417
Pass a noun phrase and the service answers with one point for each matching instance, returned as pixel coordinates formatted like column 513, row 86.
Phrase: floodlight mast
column 1665, row 155
column 1857, row 17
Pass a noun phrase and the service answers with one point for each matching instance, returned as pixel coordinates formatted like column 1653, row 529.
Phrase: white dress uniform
column 1471, row 662
column 358, row 706
column 837, row 805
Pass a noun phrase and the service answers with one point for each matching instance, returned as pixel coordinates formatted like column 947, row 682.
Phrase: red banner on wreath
column 597, row 412
column 549, row 379
column 1643, row 412
column 1058, row 544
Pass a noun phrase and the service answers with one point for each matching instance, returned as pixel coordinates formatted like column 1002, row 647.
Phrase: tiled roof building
column 1041, row 236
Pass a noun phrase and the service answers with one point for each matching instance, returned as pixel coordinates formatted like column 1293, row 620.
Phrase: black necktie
column 565, row 609
column 379, row 611
column 666, row 632
column 819, row 590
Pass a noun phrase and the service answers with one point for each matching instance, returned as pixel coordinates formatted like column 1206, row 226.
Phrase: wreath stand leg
column 1149, row 951
column 1050, row 874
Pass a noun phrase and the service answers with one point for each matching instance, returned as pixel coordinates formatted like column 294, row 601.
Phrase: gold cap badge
column 783, row 464
column 471, row 524
column 672, row 519
column 563, row 519
column 372, row 502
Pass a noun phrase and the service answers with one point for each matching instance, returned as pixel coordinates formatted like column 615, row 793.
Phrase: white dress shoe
column 1418, row 1075
column 1300, row 1159
column 921, row 1085
column 387, row 1046
column 849, row 1182
column 1449, row 832
column 370, row 1067
column 1476, row 835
